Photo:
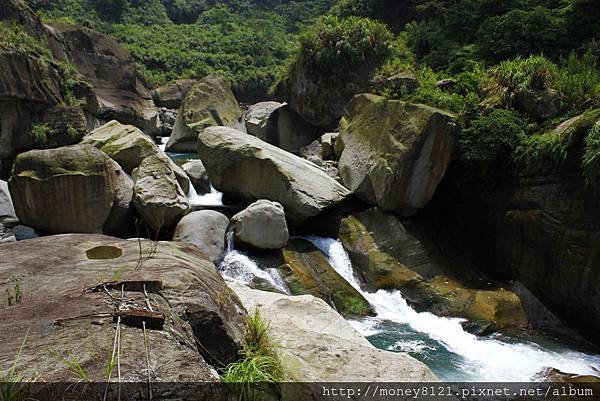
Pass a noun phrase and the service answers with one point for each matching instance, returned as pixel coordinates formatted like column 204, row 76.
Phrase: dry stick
column 147, row 299
column 147, row 359
column 119, row 344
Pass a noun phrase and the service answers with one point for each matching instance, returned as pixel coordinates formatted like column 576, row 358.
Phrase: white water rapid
column 212, row 199
column 482, row 359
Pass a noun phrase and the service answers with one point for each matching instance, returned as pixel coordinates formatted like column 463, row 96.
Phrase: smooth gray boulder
column 395, row 153
column 73, row 189
column 8, row 215
column 316, row 344
column 247, row 168
column 206, row 229
column 197, row 174
column 261, row 225
column 157, row 195
column 257, row 118
column 171, row 94
column 209, row 103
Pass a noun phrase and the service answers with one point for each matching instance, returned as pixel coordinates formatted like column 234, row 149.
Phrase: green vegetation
column 11, row 385
column 14, row 296
column 591, row 157
column 259, row 370
column 42, row 135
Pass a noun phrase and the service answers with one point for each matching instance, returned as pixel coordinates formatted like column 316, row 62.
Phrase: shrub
column 521, row 33
column 578, row 80
column 42, row 135
column 591, row 158
column 487, row 146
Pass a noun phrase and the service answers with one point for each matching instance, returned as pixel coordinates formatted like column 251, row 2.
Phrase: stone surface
column 206, row 229
column 257, row 119
column 307, row 271
column 197, row 174
column 62, row 310
column 395, row 153
column 73, row 189
column 261, row 225
column 157, row 195
column 245, row 167
column 8, row 216
column 129, row 146
column 171, row 94
column 317, row 345
column 390, row 255
column 540, row 104
column 209, row 103
column 327, row 145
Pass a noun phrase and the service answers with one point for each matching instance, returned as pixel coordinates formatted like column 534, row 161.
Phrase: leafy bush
column 42, row 135
column 487, row 146
column 521, row 33
column 578, row 80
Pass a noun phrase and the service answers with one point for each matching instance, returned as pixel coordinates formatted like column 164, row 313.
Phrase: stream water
column 441, row 343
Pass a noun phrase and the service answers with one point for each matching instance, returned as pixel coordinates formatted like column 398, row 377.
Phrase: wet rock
column 63, row 311
column 73, row 189
column 395, row 153
column 157, row 195
column 245, row 167
column 206, row 229
column 197, row 174
column 209, row 103
column 318, row 345
column 306, row 270
column 261, row 225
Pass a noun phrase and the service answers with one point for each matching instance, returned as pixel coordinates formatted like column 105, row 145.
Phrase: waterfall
column 213, row 198
column 482, row 359
column 239, row 267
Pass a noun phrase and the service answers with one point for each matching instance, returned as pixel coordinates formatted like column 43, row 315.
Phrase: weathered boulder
column 8, row 216
column 73, row 189
column 257, row 119
column 171, row 94
column 317, row 345
column 64, row 309
column 129, row 146
column 115, row 90
column 389, row 255
column 327, row 145
column 313, row 153
column 246, row 167
column 307, row 271
column 261, row 225
column 157, row 195
column 400, row 84
column 206, row 229
column 395, row 153
column 209, row 103
column 540, row 104
column 125, row 144
column 197, row 174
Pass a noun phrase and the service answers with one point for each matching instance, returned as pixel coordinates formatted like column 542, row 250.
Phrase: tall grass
column 11, row 384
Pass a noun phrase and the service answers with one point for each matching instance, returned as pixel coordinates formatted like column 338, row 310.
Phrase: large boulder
column 115, row 89
column 389, row 255
column 317, row 345
column 206, row 229
column 71, row 294
column 171, row 94
column 209, row 103
column 246, row 167
column 129, row 146
column 197, row 174
column 257, row 118
column 261, row 225
column 307, row 271
column 73, row 189
column 8, row 216
column 157, row 195
column 395, row 153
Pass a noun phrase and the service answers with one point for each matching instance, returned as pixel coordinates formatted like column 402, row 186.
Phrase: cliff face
column 541, row 228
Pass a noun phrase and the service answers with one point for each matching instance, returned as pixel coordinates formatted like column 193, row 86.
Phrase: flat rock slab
column 315, row 344
column 65, row 309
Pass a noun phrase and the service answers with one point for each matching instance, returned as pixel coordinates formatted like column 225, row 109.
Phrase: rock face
column 388, row 255
column 306, row 270
column 157, row 195
column 171, row 94
column 317, row 345
column 395, row 153
column 117, row 92
column 257, row 118
column 540, row 228
column 64, row 309
column 246, row 167
column 209, row 103
column 206, row 229
column 8, row 216
column 73, row 189
column 197, row 174
column 125, row 144
column 261, row 225
column 540, row 104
